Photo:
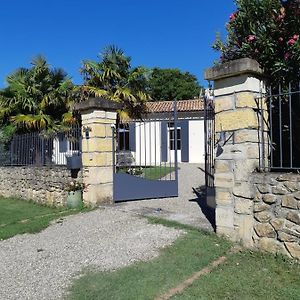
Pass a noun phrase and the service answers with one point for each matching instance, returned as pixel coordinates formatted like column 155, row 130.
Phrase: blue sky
column 162, row 33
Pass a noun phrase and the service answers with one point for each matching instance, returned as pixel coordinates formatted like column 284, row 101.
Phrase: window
column 74, row 144
column 172, row 137
column 123, row 137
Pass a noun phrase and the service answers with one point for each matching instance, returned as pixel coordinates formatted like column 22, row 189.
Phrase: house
column 39, row 149
column 64, row 146
column 151, row 141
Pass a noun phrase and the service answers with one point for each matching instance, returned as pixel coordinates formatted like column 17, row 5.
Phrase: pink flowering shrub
column 268, row 31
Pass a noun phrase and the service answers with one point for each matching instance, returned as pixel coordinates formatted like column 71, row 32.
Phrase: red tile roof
column 182, row 106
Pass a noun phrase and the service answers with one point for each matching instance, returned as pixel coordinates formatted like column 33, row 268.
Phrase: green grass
column 145, row 280
column 248, row 275
column 245, row 275
column 152, row 173
column 19, row 216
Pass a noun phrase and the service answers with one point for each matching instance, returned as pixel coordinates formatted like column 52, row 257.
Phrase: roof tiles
column 182, row 106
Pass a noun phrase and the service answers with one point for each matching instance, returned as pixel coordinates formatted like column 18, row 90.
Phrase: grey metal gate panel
column 141, row 172
column 128, row 187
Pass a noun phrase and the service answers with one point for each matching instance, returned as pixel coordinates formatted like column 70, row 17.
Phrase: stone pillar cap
column 98, row 103
column 233, row 68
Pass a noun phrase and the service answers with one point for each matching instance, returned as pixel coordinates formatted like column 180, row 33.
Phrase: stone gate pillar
column 98, row 117
column 236, row 86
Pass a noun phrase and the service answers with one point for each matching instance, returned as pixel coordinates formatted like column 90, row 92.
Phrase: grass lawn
column 244, row 275
column 19, row 216
column 153, row 173
column 249, row 276
column 146, row 280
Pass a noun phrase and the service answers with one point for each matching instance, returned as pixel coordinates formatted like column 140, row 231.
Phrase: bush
column 267, row 31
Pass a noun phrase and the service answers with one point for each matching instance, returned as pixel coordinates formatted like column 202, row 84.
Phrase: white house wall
column 58, row 157
column 61, row 149
column 148, row 143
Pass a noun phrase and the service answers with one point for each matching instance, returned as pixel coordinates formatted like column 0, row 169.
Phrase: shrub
column 267, row 31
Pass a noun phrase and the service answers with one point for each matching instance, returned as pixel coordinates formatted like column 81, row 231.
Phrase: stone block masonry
column 236, row 87
column 258, row 209
column 276, row 211
column 44, row 185
column 98, row 118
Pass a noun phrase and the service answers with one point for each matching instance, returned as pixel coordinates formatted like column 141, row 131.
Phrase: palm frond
column 97, row 92
column 36, row 122
column 143, row 96
column 68, row 119
column 5, row 111
column 124, row 115
column 124, row 94
column 39, row 62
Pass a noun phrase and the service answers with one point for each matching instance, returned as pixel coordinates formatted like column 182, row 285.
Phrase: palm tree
column 37, row 98
column 113, row 78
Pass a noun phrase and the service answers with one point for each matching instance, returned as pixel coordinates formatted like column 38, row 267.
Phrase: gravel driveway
column 41, row 266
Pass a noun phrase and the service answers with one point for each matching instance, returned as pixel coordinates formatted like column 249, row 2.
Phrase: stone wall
column 98, row 118
column 276, row 211
column 257, row 209
column 236, row 158
column 236, row 88
column 45, row 185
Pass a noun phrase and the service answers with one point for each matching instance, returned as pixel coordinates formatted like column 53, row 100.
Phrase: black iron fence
column 280, row 128
column 209, row 136
column 39, row 149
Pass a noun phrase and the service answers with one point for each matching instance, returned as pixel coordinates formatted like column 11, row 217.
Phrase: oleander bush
column 267, row 31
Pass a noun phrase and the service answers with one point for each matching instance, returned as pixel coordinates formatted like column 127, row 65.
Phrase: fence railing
column 209, row 136
column 280, row 128
column 38, row 149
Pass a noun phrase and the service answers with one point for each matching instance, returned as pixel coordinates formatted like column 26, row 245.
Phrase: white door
column 171, row 143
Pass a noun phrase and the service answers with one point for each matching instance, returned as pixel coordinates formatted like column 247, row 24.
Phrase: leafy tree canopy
column 112, row 77
column 36, row 98
column 170, row 84
column 268, row 31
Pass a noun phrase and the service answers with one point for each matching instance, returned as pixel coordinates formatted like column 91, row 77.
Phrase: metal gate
column 209, row 132
column 145, row 158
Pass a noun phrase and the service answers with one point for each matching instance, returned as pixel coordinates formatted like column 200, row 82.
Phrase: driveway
column 41, row 266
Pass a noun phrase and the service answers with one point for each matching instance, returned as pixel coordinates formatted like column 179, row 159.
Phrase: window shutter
column 184, row 140
column 164, row 141
column 63, row 144
column 132, row 134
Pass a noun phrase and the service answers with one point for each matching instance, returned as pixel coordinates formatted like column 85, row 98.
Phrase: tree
column 36, row 98
column 267, row 31
column 114, row 78
column 168, row 84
